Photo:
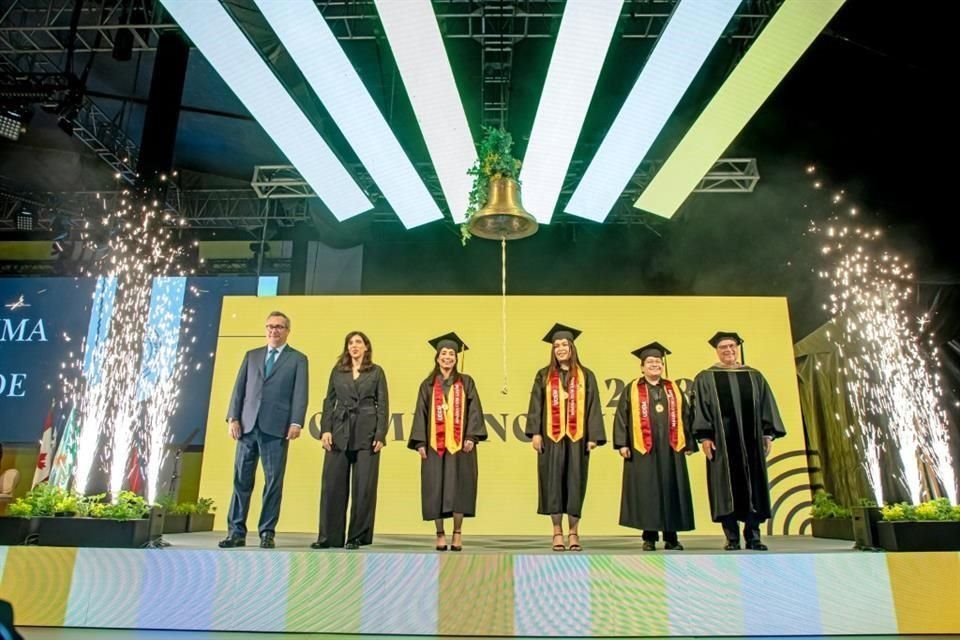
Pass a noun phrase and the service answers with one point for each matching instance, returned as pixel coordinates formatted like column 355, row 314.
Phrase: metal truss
column 32, row 27
column 280, row 195
column 33, row 32
column 33, row 35
column 728, row 175
column 279, row 181
column 94, row 128
column 197, row 208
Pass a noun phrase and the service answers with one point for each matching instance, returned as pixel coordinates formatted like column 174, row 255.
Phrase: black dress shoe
column 232, row 541
column 756, row 545
column 319, row 545
column 649, row 546
column 267, row 542
column 352, row 545
column 732, row 545
column 673, row 546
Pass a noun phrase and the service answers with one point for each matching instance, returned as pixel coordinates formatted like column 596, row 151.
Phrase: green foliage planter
column 200, row 522
column 833, row 528
column 830, row 520
column 14, row 530
column 919, row 535
column 931, row 526
column 175, row 523
column 92, row 532
column 183, row 517
column 47, row 509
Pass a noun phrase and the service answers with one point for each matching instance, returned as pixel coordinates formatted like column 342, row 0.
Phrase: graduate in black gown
column 736, row 420
column 353, row 430
column 447, row 425
column 651, row 430
column 565, row 424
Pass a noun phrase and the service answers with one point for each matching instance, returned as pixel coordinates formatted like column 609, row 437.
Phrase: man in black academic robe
column 736, row 419
column 651, row 431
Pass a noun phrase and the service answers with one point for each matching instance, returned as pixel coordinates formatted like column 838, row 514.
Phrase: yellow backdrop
column 399, row 326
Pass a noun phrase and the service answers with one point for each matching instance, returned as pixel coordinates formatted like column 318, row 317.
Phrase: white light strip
column 582, row 43
column 311, row 43
column 681, row 50
column 225, row 47
column 417, row 47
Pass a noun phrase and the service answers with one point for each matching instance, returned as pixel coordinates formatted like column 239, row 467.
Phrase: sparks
column 891, row 378
column 123, row 388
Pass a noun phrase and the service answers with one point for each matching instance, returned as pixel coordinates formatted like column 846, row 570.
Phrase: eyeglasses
column 276, row 327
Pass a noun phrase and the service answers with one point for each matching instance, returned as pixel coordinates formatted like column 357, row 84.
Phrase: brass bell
column 503, row 217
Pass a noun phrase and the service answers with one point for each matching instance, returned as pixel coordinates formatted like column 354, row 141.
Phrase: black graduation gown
column 735, row 408
column 563, row 466
column 355, row 414
column 448, row 483
column 656, row 486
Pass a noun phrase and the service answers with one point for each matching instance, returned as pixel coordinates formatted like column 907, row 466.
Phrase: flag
column 44, row 458
column 65, row 459
column 135, row 473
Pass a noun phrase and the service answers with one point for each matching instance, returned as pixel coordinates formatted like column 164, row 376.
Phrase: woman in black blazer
column 353, row 430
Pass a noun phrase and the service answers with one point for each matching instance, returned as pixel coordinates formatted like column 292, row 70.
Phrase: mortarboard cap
column 448, row 341
column 560, row 331
column 728, row 335
column 724, row 335
column 652, row 349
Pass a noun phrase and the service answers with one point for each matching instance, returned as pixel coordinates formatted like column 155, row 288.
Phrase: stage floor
column 526, row 545
column 50, row 633
column 511, row 586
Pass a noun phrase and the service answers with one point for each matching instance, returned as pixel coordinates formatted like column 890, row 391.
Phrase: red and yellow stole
column 569, row 422
column 446, row 417
column 642, row 431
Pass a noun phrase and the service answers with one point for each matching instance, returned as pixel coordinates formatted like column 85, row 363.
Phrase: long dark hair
column 345, row 362
column 574, row 358
column 455, row 374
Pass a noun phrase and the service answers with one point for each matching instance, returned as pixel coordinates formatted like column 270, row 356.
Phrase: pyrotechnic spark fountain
column 892, row 381
column 124, row 386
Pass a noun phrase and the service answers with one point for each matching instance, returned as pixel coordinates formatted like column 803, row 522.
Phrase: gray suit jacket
column 273, row 403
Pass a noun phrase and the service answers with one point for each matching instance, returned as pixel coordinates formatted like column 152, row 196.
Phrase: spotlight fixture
column 13, row 122
column 25, row 220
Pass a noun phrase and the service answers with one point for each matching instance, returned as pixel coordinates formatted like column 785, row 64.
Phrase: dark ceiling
column 867, row 103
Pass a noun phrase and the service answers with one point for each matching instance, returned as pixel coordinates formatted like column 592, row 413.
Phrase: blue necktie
column 271, row 359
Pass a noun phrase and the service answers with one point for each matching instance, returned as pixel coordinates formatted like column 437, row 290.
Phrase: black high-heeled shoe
column 457, row 547
column 439, row 546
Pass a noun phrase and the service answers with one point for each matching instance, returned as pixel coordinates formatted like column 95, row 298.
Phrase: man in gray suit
column 267, row 410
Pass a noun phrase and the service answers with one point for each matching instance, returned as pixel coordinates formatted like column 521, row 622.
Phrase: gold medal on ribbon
column 659, row 408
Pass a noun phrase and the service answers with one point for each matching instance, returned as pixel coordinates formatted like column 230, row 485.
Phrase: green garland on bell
column 494, row 160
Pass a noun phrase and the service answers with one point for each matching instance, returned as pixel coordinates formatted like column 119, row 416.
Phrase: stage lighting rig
column 57, row 93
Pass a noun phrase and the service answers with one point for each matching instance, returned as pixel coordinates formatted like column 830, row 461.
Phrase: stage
column 514, row 545
column 510, row 586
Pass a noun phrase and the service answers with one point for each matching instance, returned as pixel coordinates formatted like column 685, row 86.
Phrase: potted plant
column 66, row 506
column 931, row 526
column 201, row 517
column 174, row 515
column 24, row 514
column 830, row 519
column 494, row 162
column 123, row 523
column 15, row 525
